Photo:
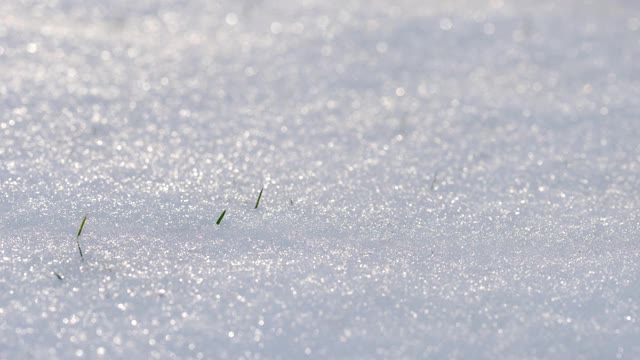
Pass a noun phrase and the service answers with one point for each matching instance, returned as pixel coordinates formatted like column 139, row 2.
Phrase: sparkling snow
column 443, row 179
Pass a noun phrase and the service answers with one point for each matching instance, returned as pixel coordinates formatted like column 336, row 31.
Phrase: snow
column 443, row 179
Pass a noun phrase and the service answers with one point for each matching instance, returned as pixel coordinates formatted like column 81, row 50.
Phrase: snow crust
column 443, row 179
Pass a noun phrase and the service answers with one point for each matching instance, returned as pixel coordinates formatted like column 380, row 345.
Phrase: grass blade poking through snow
column 220, row 218
column 78, row 236
column 259, row 197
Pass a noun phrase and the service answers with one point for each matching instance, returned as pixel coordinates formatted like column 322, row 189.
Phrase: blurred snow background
column 450, row 179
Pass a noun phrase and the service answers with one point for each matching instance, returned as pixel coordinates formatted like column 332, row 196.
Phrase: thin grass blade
column 84, row 220
column 220, row 218
column 259, row 197
column 82, row 226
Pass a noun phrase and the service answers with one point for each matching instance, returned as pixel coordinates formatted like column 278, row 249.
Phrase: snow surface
column 443, row 179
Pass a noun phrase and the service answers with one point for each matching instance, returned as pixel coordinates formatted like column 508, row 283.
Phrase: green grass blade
column 78, row 237
column 220, row 218
column 82, row 226
column 80, row 249
column 259, row 197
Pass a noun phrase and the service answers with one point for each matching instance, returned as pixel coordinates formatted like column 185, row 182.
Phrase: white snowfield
column 442, row 179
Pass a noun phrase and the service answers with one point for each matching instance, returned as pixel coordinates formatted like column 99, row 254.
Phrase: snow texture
column 442, row 179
